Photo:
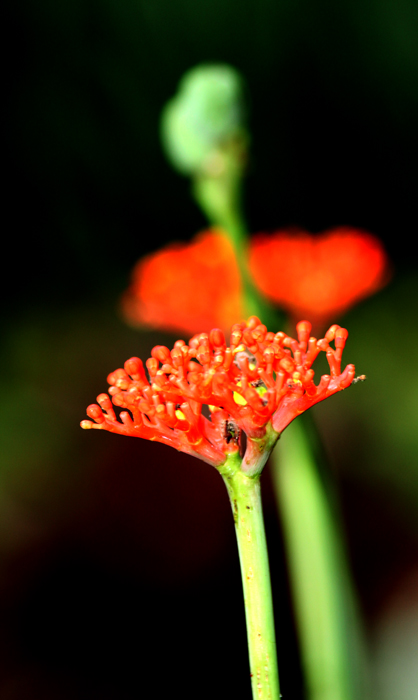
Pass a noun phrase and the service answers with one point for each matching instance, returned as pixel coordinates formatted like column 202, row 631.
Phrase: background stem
column 324, row 602
column 220, row 199
column 245, row 497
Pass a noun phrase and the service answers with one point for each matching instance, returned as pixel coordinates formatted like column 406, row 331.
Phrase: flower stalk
column 245, row 498
column 218, row 194
column 325, row 610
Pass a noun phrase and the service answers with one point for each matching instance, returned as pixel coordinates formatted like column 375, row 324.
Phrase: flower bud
column 202, row 118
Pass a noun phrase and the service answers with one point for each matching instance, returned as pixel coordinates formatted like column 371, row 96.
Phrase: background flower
column 186, row 287
column 318, row 276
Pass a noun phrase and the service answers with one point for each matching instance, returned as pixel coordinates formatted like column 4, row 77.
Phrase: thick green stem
column 329, row 636
column 245, row 496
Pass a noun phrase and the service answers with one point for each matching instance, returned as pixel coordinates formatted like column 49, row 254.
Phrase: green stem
column 326, row 617
column 220, row 199
column 245, row 497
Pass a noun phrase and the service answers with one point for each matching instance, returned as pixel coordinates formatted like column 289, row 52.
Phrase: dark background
column 119, row 574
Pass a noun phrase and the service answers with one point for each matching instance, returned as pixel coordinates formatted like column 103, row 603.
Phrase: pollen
column 239, row 399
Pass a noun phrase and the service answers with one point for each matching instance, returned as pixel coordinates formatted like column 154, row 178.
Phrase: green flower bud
column 204, row 119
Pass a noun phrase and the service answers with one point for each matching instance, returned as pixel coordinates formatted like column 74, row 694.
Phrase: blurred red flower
column 318, row 276
column 186, row 286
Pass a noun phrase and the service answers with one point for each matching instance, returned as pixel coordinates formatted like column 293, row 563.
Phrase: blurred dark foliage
column 120, row 575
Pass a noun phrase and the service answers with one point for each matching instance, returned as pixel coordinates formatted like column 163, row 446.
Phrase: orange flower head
column 186, row 286
column 318, row 276
column 259, row 382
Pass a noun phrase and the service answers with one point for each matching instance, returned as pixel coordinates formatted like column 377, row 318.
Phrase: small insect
column 231, row 432
column 360, row 378
column 257, row 383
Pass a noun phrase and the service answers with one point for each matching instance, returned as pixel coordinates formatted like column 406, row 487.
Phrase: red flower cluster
column 186, row 286
column 261, row 379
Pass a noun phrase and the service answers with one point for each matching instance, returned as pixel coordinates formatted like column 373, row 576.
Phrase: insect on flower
column 360, row 378
column 231, row 432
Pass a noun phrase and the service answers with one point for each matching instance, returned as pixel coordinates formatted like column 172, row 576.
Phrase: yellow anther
column 296, row 378
column 240, row 348
column 180, row 415
column 239, row 399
